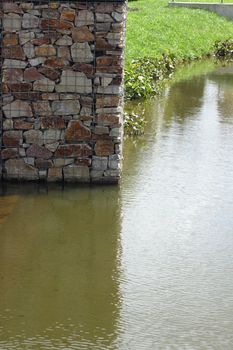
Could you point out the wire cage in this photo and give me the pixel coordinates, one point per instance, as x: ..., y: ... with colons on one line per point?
x: 62, y: 90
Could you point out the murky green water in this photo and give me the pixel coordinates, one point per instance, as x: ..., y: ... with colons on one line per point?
x: 147, y: 265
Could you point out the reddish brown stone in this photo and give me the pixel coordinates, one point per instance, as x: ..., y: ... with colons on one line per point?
x: 82, y: 34
x: 12, y: 75
x: 13, y: 52
x: 105, y: 8
x: 9, y: 153
x: 55, y: 63
x: 45, y: 51
x: 76, y: 131
x: 107, y: 101
x: 102, y: 44
x: 20, y: 87
x: 79, y: 150
x: 32, y: 74
x: 68, y: 14
x: 108, y: 119
x: 12, y: 138
x: 10, y: 39
x: 41, y: 41
x: 5, y: 88
x: 55, y: 24
x: 86, y: 101
x: 104, y: 61
x: 85, y: 68
x: 23, y: 125
x: 104, y: 148
x: 38, y: 152
x: 109, y: 69
x: 43, y: 163
x: 55, y: 174
x: 31, y: 96
x: 50, y: 73
x: 83, y: 161
x: 52, y: 123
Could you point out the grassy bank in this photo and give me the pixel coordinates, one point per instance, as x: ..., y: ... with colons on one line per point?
x: 159, y: 37
x: 154, y: 29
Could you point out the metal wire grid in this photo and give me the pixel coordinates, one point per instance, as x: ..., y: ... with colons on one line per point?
x: 69, y: 83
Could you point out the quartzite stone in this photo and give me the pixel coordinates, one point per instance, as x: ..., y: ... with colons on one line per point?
x: 52, y: 135
x: 12, y: 138
x: 55, y: 175
x: 82, y: 34
x: 84, y: 18
x: 38, y: 152
x: 76, y: 173
x: 50, y: 13
x: 13, y: 52
x: 12, y: 75
x: 30, y: 21
x: 44, y: 85
x: 104, y: 148
x: 77, y: 150
x: 33, y: 136
x: 68, y: 14
x: 76, y: 131
x: 12, y: 22
x: 45, y: 51
x: 81, y: 52
x: 11, y: 7
x: 66, y: 107
x: 25, y: 36
x: 29, y: 50
x: 65, y: 40
x: 53, y: 123
x: 17, y: 109
x: 74, y: 82
x: 9, y: 153
x: 10, y: 39
x: 18, y: 169
x: 42, y: 108
x: 32, y: 74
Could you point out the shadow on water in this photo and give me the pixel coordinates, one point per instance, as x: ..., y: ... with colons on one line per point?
x: 59, y: 252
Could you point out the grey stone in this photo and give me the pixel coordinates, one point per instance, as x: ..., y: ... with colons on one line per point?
x: 8, y: 63
x: 110, y: 90
x: 116, y: 132
x: 76, y: 173
x: 28, y: 49
x: 61, y: 162
x: 64, y: 41
x: 37, y: 61
x: 104, y: 18
x: 112, y: 173
x: 44, y: 85
x: 7, y: 124
x: 33, y: 136
x: 99, y: 163
x: 106, y: 81
x: 17, y: 109
x: 81, y: 52
x: 74, y: 82
x: 95, y: 174
x: 119, y: 17
x: 18, y: 169
x: 25, y: 36
x: 65, y: 107
x: 52, y: 147
x: 84, y: 18
x: 109, y: 110
x: 29, y: 160
x: 101, y: 130
x: 114, y: 162
x: 30, y: 21
x: 12, y: 22
x: 51, y: 136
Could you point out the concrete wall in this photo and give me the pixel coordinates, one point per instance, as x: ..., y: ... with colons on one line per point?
x: 225, y: 10
x: 62, y: 92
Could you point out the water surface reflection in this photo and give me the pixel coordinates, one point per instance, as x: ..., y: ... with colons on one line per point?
x: 143, y: 266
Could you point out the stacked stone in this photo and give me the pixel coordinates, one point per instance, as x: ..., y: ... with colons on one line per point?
x: 62, y: 94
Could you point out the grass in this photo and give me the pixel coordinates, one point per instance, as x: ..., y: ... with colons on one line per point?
x: 154, y: 29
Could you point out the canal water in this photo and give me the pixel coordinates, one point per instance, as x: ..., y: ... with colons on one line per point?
x: 147, y: 265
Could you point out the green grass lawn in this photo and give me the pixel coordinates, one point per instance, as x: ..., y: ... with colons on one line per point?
x: 153, y: 29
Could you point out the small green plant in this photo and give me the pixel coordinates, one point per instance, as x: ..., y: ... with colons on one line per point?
x: 142, y: 76
x: 134, y: 124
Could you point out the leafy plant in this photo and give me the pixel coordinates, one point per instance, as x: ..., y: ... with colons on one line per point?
x: 134, y: 124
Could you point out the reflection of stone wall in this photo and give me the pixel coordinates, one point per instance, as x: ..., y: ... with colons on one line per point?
x: 62, y: 90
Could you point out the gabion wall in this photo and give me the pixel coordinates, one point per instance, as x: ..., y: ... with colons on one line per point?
x: 61, y: 90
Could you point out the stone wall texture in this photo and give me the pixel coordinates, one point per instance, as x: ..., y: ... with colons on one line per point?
x: 61, y: 90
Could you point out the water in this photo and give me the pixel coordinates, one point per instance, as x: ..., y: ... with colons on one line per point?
x: 146, y: 265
